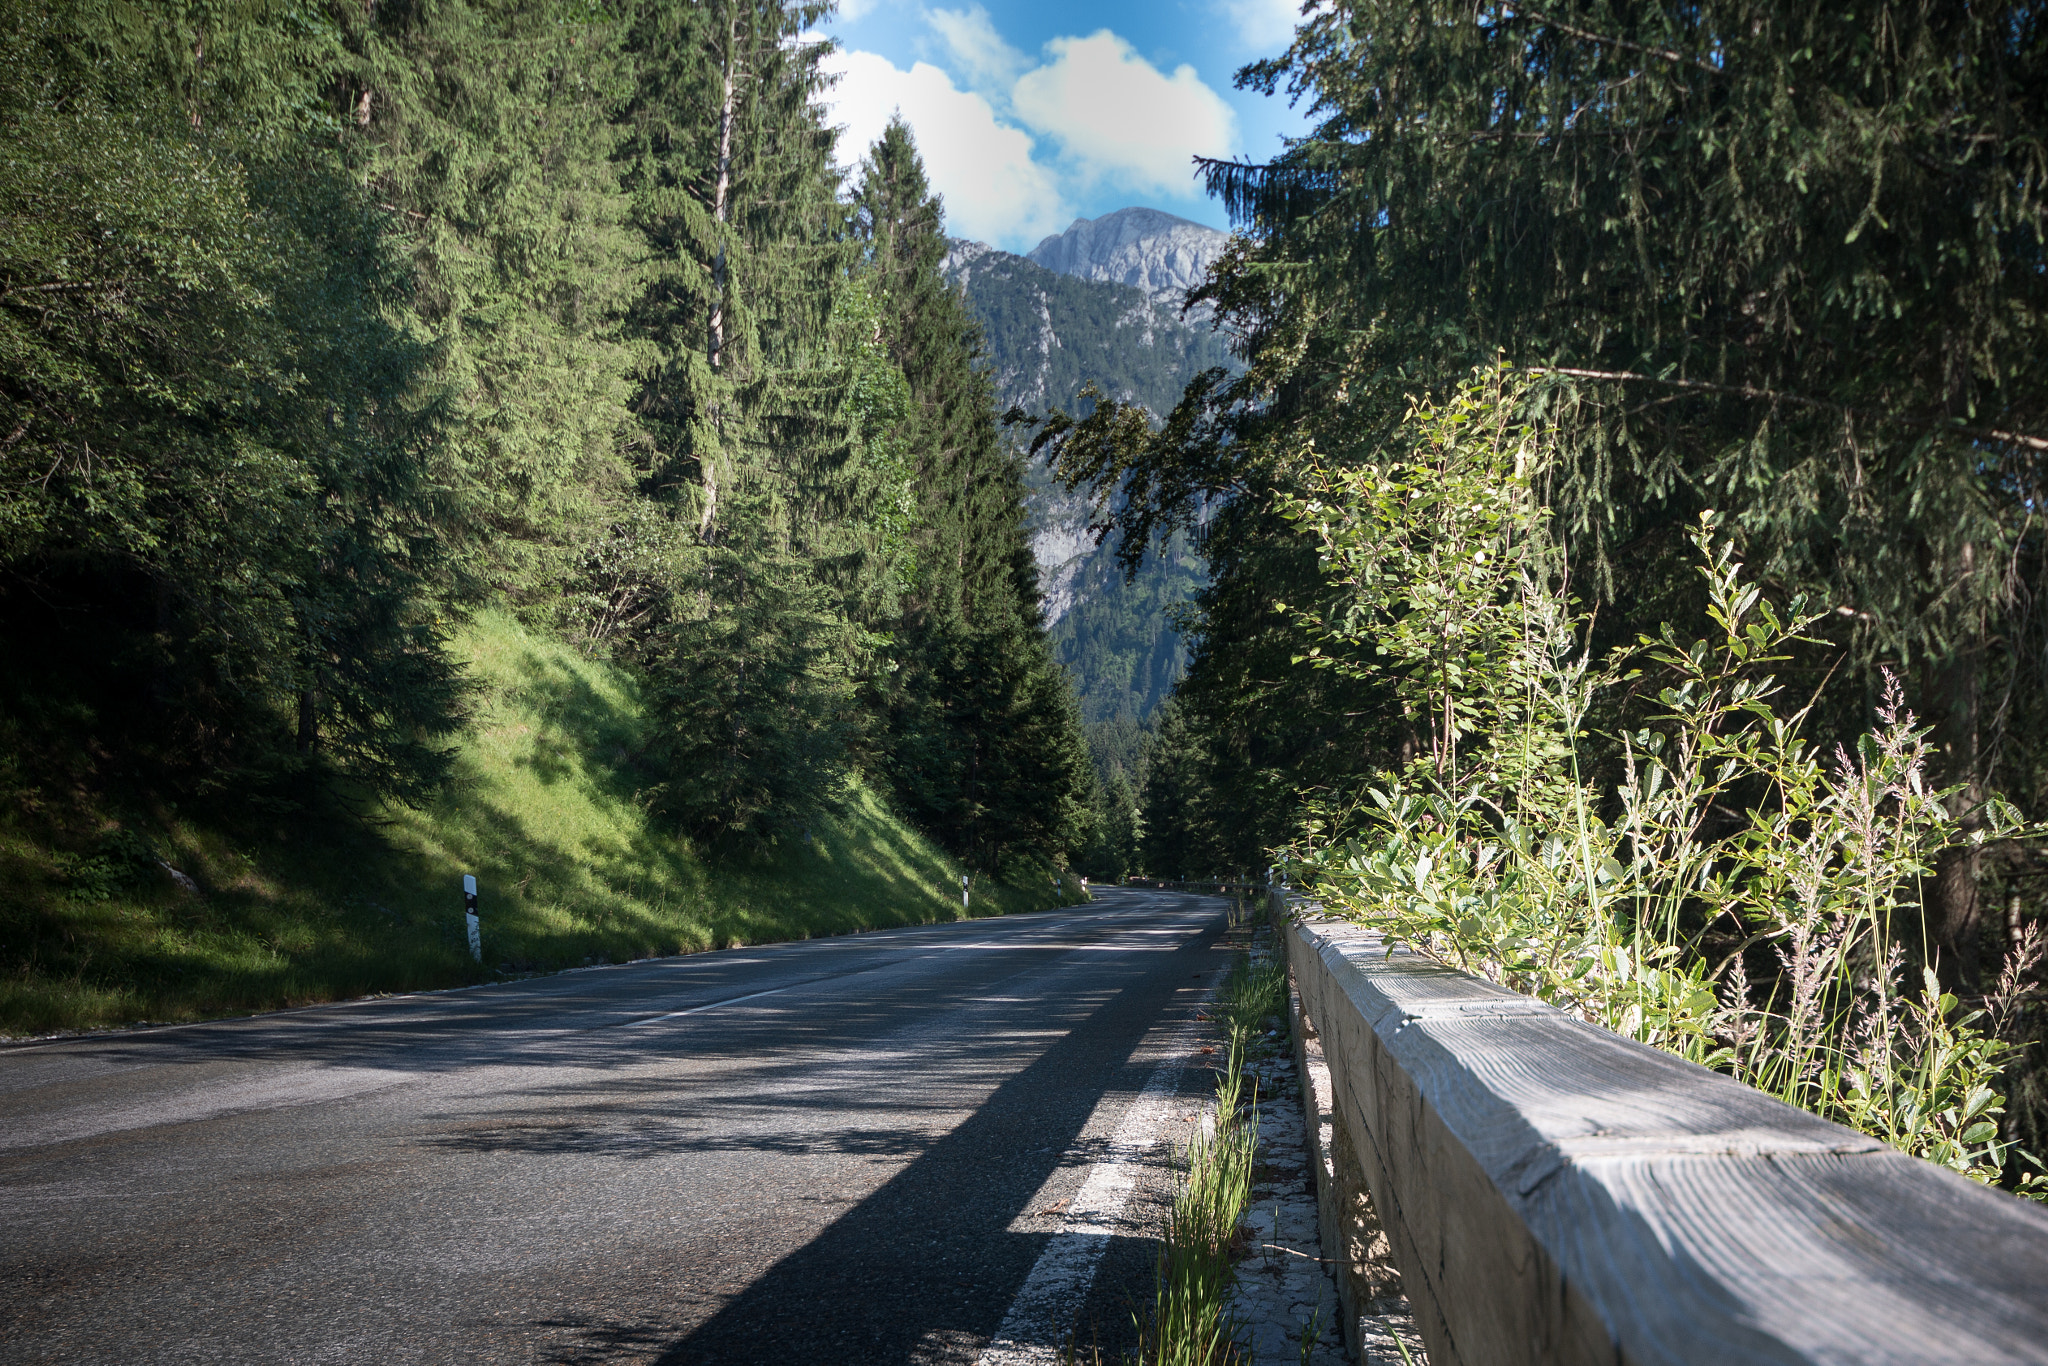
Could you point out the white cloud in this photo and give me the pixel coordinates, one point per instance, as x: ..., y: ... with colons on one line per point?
x: 979, y: 54
x: 850, y: 10
x: 1266, y: 25
x: 1120, y: 118
x: 1104, y: 115
x: 994, y: 191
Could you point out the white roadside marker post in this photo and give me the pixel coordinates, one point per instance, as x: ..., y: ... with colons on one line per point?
x: 963, y: 891
x: 476, y: 942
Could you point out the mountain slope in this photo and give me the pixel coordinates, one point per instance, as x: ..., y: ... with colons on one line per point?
x: 1049, y: 334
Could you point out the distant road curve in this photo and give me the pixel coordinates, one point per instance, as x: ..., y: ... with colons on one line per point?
x: 843, y: 1150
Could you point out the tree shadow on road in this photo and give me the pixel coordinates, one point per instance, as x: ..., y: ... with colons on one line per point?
x: 930, y: 1261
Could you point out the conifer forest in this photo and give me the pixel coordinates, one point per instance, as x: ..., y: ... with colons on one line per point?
x: 1624, y: 541
x: 380, y: 375
x: 1614, y: 533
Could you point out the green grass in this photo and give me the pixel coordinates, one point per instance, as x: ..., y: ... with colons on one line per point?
x: 1254, y: 995
x: 1191, y: 1323
x: 570, y: 869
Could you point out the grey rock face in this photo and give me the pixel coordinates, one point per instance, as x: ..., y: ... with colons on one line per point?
x: 1156, y: 252
x: 961, y: 255
x: 1048, y: 333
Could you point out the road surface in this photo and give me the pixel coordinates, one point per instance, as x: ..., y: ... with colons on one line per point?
x: 843, y: 1150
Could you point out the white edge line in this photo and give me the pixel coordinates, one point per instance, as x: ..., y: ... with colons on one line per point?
x: 1052, y: 1294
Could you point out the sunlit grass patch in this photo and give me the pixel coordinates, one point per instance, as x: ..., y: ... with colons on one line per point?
x: 542, y: 810
x: 1190, y: 1322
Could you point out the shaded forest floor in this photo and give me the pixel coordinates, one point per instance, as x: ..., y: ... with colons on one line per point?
x: 96, y: 930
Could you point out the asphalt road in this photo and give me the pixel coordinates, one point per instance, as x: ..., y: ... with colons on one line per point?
x: 832, y: 1151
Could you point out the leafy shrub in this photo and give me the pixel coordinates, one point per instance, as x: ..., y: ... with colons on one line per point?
x: 1728, y: 845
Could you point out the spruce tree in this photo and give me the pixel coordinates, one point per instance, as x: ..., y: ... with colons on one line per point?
x: 984, y: 745
x: 752, y: 408
x: 486, y: 133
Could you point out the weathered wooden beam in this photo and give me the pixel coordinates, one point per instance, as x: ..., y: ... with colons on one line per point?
x: 1555, y: 1193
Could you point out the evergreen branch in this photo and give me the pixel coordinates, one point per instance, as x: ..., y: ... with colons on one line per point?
x: 2035, y: 443
x: 1248, y: 187
x: 1661, y: 53
x: 1502, y: 135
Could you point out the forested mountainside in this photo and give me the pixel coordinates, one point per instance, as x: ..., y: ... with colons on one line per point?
x: 1049, y: 334
x: 1625, y: 549
x: 328, y: 328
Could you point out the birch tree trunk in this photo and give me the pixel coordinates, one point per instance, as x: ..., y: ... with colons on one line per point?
x: 721, y: 193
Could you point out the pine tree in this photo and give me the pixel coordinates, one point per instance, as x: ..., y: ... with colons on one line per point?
x: 486, y: 133
x: 984, y: 745
x: 1171, y: 847
x: 756, y: 417
x: 728, y: 163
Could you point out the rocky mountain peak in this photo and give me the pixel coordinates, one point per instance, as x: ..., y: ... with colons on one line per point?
x: 1156, y: 252
x: 961, y: 254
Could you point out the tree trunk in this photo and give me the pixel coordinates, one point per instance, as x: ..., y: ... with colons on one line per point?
x: 309, y: 720
x: 160, y: 687
x: 714, y: 344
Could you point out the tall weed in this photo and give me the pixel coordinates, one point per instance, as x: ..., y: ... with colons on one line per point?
x: 1252, y: 995
x: 1737, y: 897
x: 1191, y: 1324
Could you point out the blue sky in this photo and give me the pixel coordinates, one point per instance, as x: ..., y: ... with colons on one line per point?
x: 1030, y: 115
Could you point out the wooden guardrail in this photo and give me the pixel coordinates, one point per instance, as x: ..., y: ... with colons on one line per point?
x: 1555, y: 1193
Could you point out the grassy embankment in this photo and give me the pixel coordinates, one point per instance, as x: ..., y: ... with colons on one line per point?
x: 304, y: 908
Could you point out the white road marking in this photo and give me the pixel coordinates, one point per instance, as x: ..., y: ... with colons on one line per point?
x: 699, y: 1010
x: 1120, y: 945
x: 1047, y: 1304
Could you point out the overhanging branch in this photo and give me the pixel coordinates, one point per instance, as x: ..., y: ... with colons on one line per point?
x: 2032, y: 443
x: 1661, y: 53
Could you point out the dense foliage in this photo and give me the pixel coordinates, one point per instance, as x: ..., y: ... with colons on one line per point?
x: 1778, y: 262
x: 324, y: 325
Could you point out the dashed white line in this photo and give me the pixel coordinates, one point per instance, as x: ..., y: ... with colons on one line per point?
x: 699, y: 1010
